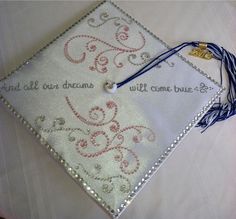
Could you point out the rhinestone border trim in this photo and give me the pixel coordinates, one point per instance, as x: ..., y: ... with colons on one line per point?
x: 156, y: 165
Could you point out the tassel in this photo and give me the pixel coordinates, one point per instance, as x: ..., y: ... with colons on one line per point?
x: 222, y: 111
x: 219, y: 111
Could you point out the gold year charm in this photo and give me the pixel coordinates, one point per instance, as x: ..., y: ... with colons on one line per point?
x: 201, y: 51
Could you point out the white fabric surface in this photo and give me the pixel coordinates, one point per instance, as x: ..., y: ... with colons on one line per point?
x: 197, y: 182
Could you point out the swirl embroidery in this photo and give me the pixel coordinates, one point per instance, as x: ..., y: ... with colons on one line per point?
x: 58, y: 125
x: 107, y: 182
x: 104, y: 17
x: 101, y: 143
x: 106, y: 52
x: 146, y: 57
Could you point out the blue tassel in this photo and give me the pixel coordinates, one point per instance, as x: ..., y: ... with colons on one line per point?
x: 222, y: 111
x: 219, y: 111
